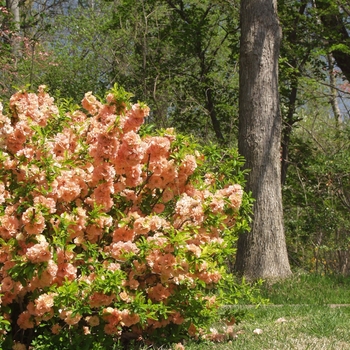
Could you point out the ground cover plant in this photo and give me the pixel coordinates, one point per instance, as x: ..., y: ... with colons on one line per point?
x: 110, y: 235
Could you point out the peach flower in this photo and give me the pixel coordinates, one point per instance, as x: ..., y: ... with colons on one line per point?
x: 66, y: 271
x: 93, y: 321
x: 158, y: 292
x: 123, y: 234
x: 39, y: 253
x: 19, y: 346
x: 44, y: 303
x: 100, y: 299
x: 128, y: 319
x: 56, y: 328
x: 7, y: 284
x: 119, y: 249
x: 69, y: 317
x: 90, y: 103
x: 34, y: 221
x: 24, y: 320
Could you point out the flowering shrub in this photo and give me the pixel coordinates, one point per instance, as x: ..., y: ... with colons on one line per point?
x: 106, y: 235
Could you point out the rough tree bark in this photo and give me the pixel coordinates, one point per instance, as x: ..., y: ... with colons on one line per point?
x: 261, y: 252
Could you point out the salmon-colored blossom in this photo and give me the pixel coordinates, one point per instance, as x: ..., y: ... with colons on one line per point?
x: 93, y: 208
x: 176, y: 317
x: 7, y: 284
x: 119, y: 249
x: 123, y: 234
x: 189, y: 210
x: 66, y: 271
x: 56, y: 328
x: 69, y: 317
x: 192, y: 330
x: 128, y: 319
x: 19, y: 346
x: 93, y: 321
x: 90, y: 103
x: 39, y: 253
x: 158, y: 292
x: 33, y: 221
x: 25, y: 320
x: 43, y: 304
x: 98, y: 299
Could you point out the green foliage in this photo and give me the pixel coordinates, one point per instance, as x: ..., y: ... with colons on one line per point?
x: 225, y: 162
x: 78, y: 264
x: 4, y: 327
x: 316, y: 198
x: 70, y: 340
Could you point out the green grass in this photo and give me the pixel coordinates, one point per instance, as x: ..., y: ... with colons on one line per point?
x: 312, y: 318
x: 309, y: 289
x: 304, y: 327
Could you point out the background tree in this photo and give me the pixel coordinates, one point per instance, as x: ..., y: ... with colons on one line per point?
x: 317, y: 193
x: 180, y: 56
x: 312, y: 32
x: 205, y: 35
x: 24, y: 57
x: 335, y: 19
x: 261, y: 252
x: 314, y: 112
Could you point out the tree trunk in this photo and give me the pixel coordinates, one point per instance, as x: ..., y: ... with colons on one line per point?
x: 288, y: 128
x: 334, y: 95
x: 13, y: 7
x: 210, y: 107
x: 293, y: 39
x: 261, y: 252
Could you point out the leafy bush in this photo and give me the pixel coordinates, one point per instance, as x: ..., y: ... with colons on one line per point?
x: 108, y: 237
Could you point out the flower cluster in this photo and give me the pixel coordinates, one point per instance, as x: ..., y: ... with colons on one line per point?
x: 101, y: 228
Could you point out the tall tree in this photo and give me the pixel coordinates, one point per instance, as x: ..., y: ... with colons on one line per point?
x: 261, y: 252
x: 335, y: 18
x: 23, y: 27
x: 178, y: 61
x: 295, y: 54
x: 208, y: 28
x: 13, y: 7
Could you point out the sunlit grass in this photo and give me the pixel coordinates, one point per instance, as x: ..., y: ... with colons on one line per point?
x: 306, y: 312
x: 309, y: 289
x: 290, y: 327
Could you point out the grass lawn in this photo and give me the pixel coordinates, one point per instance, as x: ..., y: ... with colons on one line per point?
x: 305, y: 312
